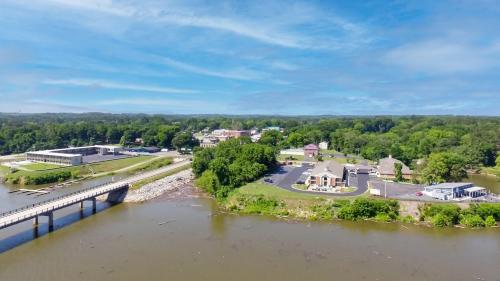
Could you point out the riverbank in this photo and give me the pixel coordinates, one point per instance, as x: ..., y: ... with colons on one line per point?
x: 263, y: 199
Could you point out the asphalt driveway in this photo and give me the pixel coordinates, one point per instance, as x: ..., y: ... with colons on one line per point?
x: 286, y: 176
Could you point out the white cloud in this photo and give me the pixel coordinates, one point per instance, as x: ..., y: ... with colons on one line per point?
x: 239, y: 73
x: 445, y: 57
x: 119, y: 86
x: 280, y: 32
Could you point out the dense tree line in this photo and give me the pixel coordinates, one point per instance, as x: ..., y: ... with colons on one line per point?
x: 475, y: 139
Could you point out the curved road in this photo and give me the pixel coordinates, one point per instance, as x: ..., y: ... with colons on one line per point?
x: 360, y: 181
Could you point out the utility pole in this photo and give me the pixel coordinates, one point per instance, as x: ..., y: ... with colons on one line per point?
x: 385, y: 189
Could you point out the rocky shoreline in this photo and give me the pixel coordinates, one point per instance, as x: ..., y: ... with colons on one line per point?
x: 172, y: 183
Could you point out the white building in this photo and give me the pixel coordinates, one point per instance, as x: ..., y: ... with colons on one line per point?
x: 453, y: 190
x: 323, y: 145
x: 71, y: 156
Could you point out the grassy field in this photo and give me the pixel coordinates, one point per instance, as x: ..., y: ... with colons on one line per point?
x: 41, y: 166
x: 283, y: 157
x: 117, y: 164
x: 259, y: 188
x: 101, y: 168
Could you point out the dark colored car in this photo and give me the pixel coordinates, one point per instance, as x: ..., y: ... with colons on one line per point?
x: 419, y: 193
x: 268, y: 180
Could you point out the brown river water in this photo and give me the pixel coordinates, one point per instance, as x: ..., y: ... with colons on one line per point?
x: 189, y: 239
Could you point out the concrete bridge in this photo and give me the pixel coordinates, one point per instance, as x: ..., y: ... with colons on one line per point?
x: 116, y: 193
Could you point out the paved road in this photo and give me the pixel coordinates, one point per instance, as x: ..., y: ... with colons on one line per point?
x: 292, y: 175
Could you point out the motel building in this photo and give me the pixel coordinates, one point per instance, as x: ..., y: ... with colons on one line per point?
x: 454, y: 191
x: 71, y: 156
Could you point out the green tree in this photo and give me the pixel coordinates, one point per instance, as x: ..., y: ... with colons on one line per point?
x: 444, y: 167
x: 272, y: 138
x: 183, y: 140
x: 398, y: 171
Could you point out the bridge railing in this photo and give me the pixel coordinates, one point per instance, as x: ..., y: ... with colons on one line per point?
x: 54, y: 207
x: 20, y: 209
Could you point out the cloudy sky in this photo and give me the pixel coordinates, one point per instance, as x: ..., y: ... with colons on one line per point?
x: 250, y: 57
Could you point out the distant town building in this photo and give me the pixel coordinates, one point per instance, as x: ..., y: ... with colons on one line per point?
x: 256, y: 137
x: 328, y: 174
x: 453, y: 190
x: 386, y: 168
x: 272, y: 128
x: 323, y: 145
x: 311, y: 150
x: 209, y: 142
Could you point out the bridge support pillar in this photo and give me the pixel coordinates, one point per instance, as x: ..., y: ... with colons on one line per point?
x: 50, y: 215
x: 94, y: 205
x: 35, y: 221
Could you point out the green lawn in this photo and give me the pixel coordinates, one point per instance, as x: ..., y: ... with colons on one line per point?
x: 118, y: 164
x: 283, y: 157
x: 89, y: 169
x: 41, y: 166
x: 257, y: 188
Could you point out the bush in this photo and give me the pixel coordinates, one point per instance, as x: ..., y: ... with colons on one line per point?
x: 323, y: 212
x: 407, y: 219
x: 48, y: 177
x: 382, y: 217
x: 441, y: 220
x: 451, y: 212
x: 485, y: 210
x: 259, y: 204
x: 490, y: 221
x: 472, y: 220
x: 363, y: 208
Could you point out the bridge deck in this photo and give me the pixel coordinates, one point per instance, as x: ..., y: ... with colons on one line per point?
x: 32, y: 211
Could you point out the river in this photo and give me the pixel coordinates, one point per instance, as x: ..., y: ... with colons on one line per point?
x: 189, y: 239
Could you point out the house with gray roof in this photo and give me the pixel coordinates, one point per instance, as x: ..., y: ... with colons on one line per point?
x: 327, y: 174
x: 386, y: 170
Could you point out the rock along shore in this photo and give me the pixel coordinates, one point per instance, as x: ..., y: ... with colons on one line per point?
x: 161, y: 186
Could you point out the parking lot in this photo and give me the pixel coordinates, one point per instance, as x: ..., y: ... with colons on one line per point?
x: 399, y: 190
x: 286, y: 176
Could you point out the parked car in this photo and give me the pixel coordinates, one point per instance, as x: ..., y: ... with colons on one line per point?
x: 268, y: 180
x: 419, y: 193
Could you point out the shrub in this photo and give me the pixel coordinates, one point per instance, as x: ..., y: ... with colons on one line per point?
x: 407, y: 219
x: 324, y: 211
x: 485, y: 210
x: 363, y: 208
x: 472, y: 220
x: 451, y: 212
x: 441, y: 220
x: 259, y: 204
x: 382, y: 217
x: 490, y: 221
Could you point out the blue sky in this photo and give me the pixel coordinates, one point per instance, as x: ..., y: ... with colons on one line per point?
x: 250, y: 57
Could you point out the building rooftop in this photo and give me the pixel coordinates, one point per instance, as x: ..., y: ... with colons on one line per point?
x: 311, y: 146
x: 331, y: 167
x: 450, y: 185
x: 386, y: 166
